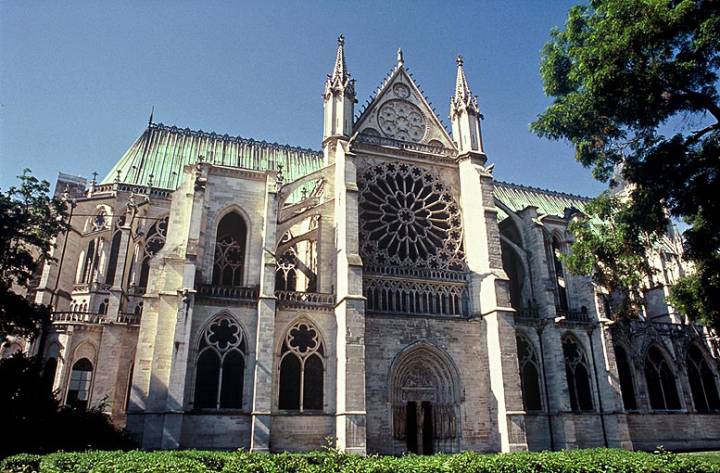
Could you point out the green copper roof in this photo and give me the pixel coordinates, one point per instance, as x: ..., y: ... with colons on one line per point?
x: 162, y: 151
x: 518, y: 197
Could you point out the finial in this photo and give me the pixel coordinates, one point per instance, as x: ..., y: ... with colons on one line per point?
x: 94, y: 179
x: 152, y: 112
x: 340, y: 80
x: 459, y: 60
x: 304, y: 193
x: 400, y: 58
x: 150, y: 180
x: 117, y: 176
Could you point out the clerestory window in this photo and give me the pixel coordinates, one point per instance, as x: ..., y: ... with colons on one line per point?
x: 229, y: 260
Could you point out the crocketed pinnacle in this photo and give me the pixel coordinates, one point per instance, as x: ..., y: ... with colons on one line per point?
x: 463, y: 98
x: 340, y: 80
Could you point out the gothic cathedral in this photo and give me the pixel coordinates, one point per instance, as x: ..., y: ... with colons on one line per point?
x: 385, y: 294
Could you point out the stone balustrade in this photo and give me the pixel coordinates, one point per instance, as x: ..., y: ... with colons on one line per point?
x: 305, y: 299
x: 69, y: 317
x: 247, y: 294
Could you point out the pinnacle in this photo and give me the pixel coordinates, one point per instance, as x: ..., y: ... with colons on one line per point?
x: 340, y: 77
x: 463, y: 98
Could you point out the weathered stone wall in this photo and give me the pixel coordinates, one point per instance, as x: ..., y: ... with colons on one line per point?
x: 463, y: 341
x: 675, y: 431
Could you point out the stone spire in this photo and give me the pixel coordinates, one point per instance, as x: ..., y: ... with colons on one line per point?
x: 463, y: 98
x: 465, y: 114
x: 339, y: 97
x: 340, y: 80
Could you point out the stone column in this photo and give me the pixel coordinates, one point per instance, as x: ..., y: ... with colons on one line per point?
x: 350, y: 426
x: 265, y: 339
x: 490, y: 299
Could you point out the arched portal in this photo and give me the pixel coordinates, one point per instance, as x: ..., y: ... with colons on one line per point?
x: 425, y: 399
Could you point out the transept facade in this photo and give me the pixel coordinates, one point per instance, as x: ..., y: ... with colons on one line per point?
x: 386, y: 293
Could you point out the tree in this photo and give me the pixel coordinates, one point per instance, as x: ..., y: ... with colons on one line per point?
x: 29, y: 221
x: 634, y: 88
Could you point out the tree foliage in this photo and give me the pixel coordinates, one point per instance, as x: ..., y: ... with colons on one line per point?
x: 608, y: 247
x: 29, y: 221
x: 37, y: 423
x: 634, y: 87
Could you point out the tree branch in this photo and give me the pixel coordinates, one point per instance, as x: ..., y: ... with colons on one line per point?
x: 692, y: 139
x: 701, y: 100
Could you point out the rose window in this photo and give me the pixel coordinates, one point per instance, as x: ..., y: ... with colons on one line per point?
x: 409, y: 219
x: 402, y: 120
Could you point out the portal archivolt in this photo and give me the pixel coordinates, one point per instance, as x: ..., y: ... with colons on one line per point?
x: 425, y: 397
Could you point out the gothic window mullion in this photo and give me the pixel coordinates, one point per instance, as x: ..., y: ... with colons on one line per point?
x: 302, y: 383
x: 219, y: 382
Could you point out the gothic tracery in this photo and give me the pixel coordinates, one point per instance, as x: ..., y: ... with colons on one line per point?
x: 409, y: 219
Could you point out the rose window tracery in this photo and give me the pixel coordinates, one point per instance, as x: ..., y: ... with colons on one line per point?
x: 409, y: 219
x: 402, y: 120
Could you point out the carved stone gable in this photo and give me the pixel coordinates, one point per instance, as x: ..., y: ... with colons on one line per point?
x: 400, y: 112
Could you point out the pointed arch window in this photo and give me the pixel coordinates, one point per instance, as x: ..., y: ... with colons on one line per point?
x: 154, y: 241
x: 627, y: 387
x: 220, y: 371
x: 560, y: 283
x: 229, y: 260
x: 286, y: 272
x: 529, y: 375
x: 702, y: 382
x: 112, y: 262
x: 578, y: 375
x: 90, y: 262
x: 81, y: 375
x: 660, y: 379
x: 302, y: 369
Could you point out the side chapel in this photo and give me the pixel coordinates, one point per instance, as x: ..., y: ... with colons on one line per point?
x: 385, y: 292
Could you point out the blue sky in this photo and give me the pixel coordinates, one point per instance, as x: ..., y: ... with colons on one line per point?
x: 78, y: 79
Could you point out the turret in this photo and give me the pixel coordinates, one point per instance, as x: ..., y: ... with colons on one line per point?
x: 339, y: 97
x: 465, y: 115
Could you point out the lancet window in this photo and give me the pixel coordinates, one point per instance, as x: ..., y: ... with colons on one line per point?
x: 220, y: 371
x: 90, y: 261
x: 154, y: 241
x: 286, y: 271
x: 112, y: 262
x: 627, y: 387
x: 560, y: 282
x: 529, y: 375
x: 577, y: 372
x: 660, y: 379
x: 229, y: 260
x: 702, y: 381
x: 302, y: 369
x: 81, y: 375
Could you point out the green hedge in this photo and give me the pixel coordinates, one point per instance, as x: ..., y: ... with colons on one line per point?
x: 575, y: 461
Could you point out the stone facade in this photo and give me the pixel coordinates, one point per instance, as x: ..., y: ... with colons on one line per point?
x: 385, y: 294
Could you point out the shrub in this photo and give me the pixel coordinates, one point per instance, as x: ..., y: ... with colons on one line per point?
x: 570, y: 461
